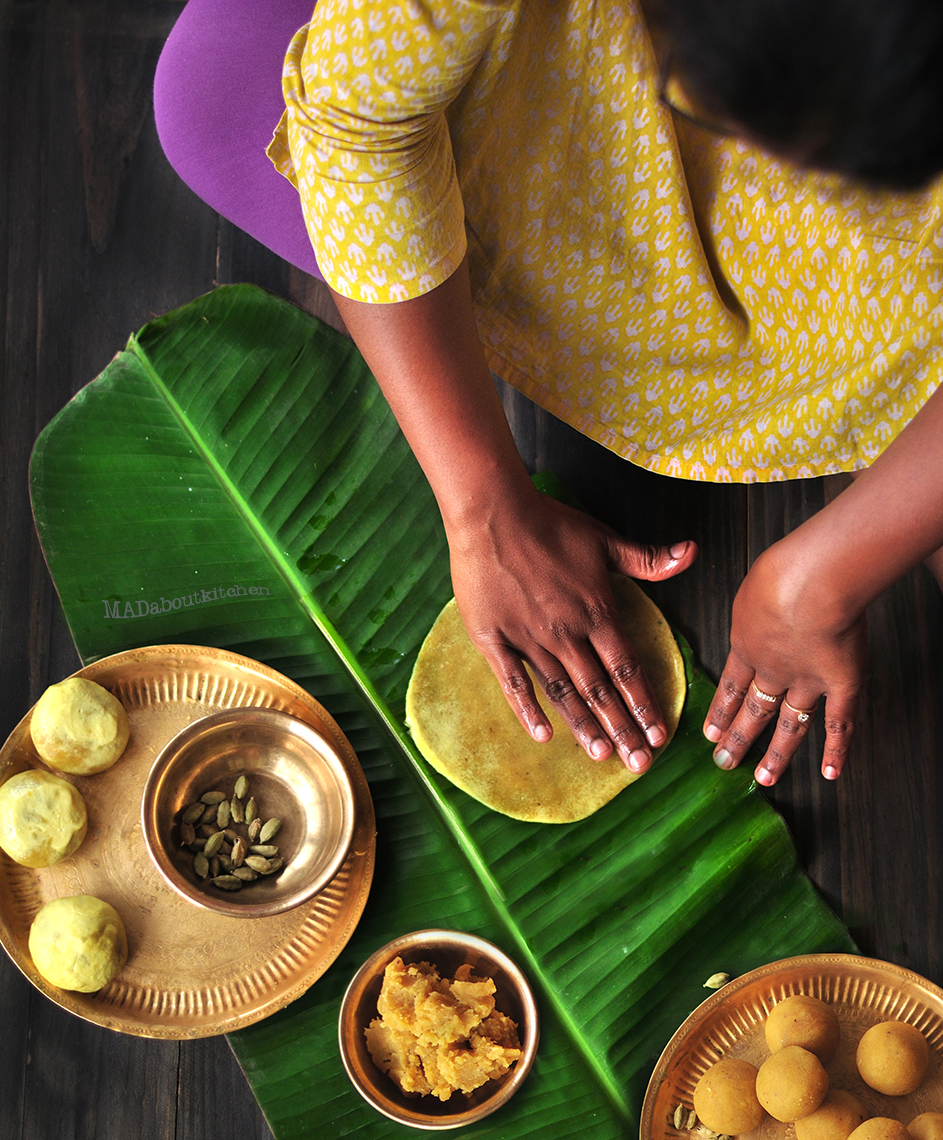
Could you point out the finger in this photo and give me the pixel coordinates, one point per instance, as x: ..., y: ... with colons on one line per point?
x: 600, y: 684
x: 633, y: 688
x: 728, y: 697
x: 795, y: 719
x: 840, y: 712
x: 588, y: 703
x: 518, y: 691
x: 620, y: 698
x: 759, y: 705
x: 650, y: 563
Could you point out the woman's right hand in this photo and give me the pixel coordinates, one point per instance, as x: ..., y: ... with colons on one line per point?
x: 530, y: 575
x: 531, y: 580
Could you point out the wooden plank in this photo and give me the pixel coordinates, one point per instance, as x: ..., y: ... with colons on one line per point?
x: 241, y: 258
x: 214, y: 1097
x: 871, y: 841
x: 889, y: 808
x: 29, y: 644
x: 98, y: 235
x: 84, y: 1081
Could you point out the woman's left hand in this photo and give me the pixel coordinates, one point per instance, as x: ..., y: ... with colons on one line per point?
x: 798, y: 628
x: 792, y: 642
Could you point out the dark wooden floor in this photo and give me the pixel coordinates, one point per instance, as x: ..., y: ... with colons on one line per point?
x: 97, y: 236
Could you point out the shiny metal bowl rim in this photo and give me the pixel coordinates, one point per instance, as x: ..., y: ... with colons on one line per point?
x: 425, y: 941
x: 225, y: 904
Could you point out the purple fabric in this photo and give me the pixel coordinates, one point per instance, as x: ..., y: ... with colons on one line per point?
x: 217, y: 100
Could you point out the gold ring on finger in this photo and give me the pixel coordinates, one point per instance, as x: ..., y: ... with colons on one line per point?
x: 763, y: 696
x: 802, y: 715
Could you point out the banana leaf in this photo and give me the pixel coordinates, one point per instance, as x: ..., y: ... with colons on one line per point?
x: 234, y: 478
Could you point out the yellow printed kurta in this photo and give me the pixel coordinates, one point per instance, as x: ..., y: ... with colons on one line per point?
x: 686, y: 300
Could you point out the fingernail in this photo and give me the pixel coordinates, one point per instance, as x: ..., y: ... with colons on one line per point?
x: 764, y: 777
x: 638, y: 760
x: 599, y: 749
x: 723, y: 759
x: 831, y: 773
x: 678, y: 550
x: 713, y: 733
x: 655, y: 736
x: 542, y: 734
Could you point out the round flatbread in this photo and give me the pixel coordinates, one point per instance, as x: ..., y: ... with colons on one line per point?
x: 464, y: 727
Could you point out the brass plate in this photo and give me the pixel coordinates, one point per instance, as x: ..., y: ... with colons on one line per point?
x: 863, y: 993
x: 190, y: 973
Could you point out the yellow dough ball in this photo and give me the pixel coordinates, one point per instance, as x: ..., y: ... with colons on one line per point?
x: 79, y: 727
x: 892, y: 1058
x: 42, y: 818
x: 78, y: 943
x: 880, y: 1128
x: 791, y: 1083
x: 806, y: 1021
x: 927, y: 1126
x: 835, y: 1118
x: 725, y: 1098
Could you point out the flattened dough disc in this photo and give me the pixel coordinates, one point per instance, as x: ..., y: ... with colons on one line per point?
x: 465, y: 728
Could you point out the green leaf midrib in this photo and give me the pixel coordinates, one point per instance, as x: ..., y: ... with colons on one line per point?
x: 232, y: 360
x: 288, y: 572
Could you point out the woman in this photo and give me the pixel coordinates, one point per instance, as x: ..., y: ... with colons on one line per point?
x: 591, y: 207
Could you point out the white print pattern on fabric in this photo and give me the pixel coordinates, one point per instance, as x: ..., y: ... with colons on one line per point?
x: 689, y: 302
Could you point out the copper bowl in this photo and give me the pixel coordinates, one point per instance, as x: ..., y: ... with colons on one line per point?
x: 295, y: 775
x: 446, y: 950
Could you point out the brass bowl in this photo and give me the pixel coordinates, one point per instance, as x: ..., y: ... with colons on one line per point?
x: 446, y: 950
x: 295, y: 775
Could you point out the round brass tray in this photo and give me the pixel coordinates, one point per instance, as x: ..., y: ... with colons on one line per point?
x: 190, y: 973
x: 863, y: 993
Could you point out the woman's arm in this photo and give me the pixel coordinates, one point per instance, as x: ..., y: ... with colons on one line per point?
x: 798, y: 628
x: 530, y: 575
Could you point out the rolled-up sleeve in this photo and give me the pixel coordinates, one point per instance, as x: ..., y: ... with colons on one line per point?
x: 365, y: 140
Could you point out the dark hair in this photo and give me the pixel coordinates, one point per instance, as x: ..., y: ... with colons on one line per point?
x: 854, y: 86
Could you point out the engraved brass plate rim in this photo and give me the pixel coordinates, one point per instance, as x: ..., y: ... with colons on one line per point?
x: 863, y: 991
x: 191, y: 972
